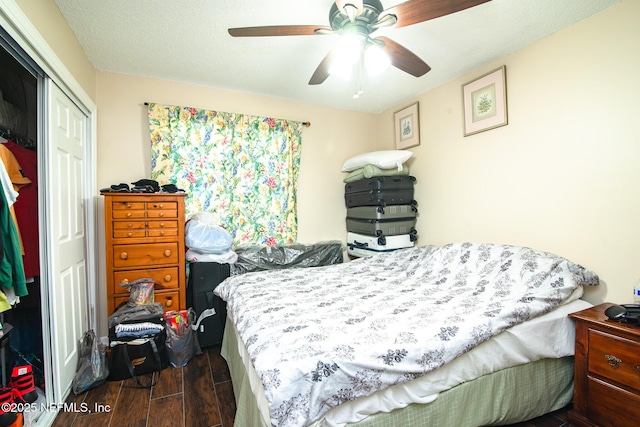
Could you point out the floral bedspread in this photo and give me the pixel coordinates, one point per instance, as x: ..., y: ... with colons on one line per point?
x: 321, y: 336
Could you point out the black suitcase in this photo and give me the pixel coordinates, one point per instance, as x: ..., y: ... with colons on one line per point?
x: 203, y: 279
x: 403, y: 182
x: 380, y: 191
x: 376, y: 227
x: 393, y: 212
x: 380, y: 198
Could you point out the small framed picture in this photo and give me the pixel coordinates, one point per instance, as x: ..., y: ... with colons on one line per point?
x: 484, y: 101
x: 407, y: 124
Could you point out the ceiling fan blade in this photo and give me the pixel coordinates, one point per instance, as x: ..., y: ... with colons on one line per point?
x: 322, y: 72
x: 403, y: 59
x: 415, y: 11
x: 277, y: 30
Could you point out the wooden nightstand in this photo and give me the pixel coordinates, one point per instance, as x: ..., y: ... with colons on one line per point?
x: 607, y: 371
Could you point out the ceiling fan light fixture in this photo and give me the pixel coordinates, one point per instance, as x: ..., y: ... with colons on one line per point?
x: 351, y: 8
x: 347, y: 54
x: 342, y: 70
x: 375, y: 60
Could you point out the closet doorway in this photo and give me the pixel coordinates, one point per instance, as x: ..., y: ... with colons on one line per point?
x: 59, y: 304
x: 19, y: 135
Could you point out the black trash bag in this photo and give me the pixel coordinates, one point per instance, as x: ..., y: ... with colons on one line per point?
x: 93, y: 369
x: 259, y: 258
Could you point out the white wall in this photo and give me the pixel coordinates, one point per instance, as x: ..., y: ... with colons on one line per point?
x: 563, y: 176
x: 124, y: 147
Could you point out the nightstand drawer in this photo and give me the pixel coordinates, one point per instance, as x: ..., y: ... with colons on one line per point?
x: 129, y: 234
x: 614, y: 358
x: 129, y: 229
x: 126, y: 214
x: 162, y: 214
x: 163, y: 233
x: 164, y: 278
x: 118, y: 206
x: 170, y: 300
x: 162, y: 228
x: 172, y: 206
x: 125, y: 256
x: 162, y: 224
x: 610, y: 406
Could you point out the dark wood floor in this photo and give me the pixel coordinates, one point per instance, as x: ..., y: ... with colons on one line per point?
x: 198, y: 395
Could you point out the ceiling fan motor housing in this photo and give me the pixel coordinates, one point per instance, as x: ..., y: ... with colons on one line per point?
x: 339, y: 20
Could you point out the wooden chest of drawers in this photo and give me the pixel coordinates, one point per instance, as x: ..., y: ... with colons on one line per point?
x: 607, y: 371
x: 144, y: 234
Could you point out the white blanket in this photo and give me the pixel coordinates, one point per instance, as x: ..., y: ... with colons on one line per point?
x: 319, y: 337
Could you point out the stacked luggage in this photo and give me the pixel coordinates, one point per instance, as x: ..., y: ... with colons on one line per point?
x: 381, y: 214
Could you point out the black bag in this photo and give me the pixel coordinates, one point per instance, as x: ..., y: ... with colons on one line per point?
x: 133, y: 357
x: 142, y: 348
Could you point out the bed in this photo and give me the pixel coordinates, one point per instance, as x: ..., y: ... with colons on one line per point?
x: 464, y: 334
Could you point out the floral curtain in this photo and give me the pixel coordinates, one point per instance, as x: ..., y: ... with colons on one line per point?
x: 242, y: 168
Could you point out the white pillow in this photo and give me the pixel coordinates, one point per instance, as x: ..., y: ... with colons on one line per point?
x: 386, y: 159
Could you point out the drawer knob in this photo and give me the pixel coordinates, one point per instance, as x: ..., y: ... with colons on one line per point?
x: 128, y: 214
x: 128, y: 205
x: 130, y: 225
x: 168, y: 302
x: 124, y: 255
x: 167, y: 278
x: 161, y: 213
x: 161, y: 224
x: 161, y: 205
x: 167, y: 253
x: 612, y: 360
x: 129, y: 234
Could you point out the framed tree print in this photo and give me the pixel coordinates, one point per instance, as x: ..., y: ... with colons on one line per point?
x: 407, y: 125
x: 484, y: 101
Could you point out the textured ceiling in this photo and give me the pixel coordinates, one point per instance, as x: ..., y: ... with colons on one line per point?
x: 187, y: 41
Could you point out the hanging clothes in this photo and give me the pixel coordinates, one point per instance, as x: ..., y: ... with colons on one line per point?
x: 12, y: 276
x: 13, y: 179
x: 26, y: 208
x: 4, y: 302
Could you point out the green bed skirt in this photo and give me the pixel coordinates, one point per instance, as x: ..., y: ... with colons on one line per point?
x: 508, y: 396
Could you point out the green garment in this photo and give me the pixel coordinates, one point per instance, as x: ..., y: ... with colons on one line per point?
x: 11, y: 266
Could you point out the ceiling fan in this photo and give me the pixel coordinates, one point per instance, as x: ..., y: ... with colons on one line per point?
x: 359, y: 19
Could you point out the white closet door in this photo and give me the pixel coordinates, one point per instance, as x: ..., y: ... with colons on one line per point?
x: 67, y: 205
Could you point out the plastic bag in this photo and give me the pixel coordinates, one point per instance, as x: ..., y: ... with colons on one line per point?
x: 36, y: 409
x: 203, y: 235
x: 259, y: 258
x: 182, y: 341
x: 132, y: 311
x: 141, y: 291
x: 92, y: 364
x: 228, y: 257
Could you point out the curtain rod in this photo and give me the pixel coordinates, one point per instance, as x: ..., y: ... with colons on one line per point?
x: 305, y: 124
